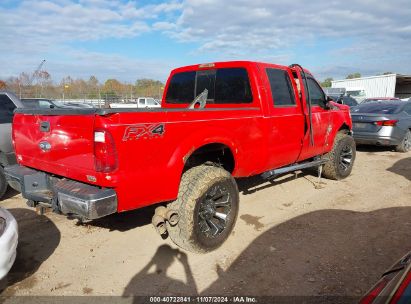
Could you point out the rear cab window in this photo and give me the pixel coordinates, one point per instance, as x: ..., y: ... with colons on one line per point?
x: 225, y: 86
x: 6, y: 109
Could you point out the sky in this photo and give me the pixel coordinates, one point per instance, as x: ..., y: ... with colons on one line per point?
x: 130, y: 40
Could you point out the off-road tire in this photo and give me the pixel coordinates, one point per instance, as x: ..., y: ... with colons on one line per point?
x: 333, y: 169
x: 194, y: 185
x: 405, y: 144
x: 3, y: 182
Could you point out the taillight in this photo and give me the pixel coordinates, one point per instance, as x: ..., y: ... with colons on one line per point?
x: 386, y: 123
x: 105, y: 155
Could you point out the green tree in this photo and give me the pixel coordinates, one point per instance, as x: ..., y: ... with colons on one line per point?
x: 93, y: 87
x: 353, y: 75
x: 149, y: 88
x: 327, y: 82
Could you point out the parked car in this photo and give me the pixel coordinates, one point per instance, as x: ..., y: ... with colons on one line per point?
x: 394, y: 285
x: 378, y: 99
x: 384, y: 123
x: 8, y: 241
x: 218, y: 121
x: 8, y: 102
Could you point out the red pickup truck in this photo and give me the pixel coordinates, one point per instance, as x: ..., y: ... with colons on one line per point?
x: 218, y: 122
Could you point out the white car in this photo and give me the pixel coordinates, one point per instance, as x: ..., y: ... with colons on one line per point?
x: 8, y: 241
x: 142, y: 102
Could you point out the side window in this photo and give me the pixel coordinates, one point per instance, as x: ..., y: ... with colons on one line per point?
x: 141, y: 102
x: 44, y: 104
x: 151, y: 102
x: 316, y: 93
x: 6, y: 109
x: 281, y: 88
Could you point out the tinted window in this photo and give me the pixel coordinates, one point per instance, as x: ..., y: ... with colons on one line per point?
x: 378, y: 108
x: 232, y: 86
x: 349, y: 101
x: 224, y: 86
x: 45, y: 104
x: 6, y: 109
x: 181, y: 88
x: 281, y: 88
x: 141, y: 101
x: 30, y: 103
x: 316, y: 93
x: 205, y: 80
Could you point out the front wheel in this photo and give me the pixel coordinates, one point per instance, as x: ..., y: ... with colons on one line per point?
x: 341, y: 157
x: 207, y: 205
x: 405, y: 144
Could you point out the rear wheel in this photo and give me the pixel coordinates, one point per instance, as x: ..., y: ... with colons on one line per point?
x: 3, y: 182
x: 341, y: 157
x: 405, y: 144
x: 207, y: 205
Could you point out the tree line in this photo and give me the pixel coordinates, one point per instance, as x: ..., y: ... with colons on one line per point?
x: 41, y: 85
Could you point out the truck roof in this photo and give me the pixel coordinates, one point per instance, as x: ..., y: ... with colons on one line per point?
x: 227, y: 64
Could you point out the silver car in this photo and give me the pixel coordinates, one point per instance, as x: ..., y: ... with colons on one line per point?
x: 8, y: 241
x: 383, y: 123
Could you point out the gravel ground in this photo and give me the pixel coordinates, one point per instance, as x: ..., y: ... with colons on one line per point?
x: 291, y: 238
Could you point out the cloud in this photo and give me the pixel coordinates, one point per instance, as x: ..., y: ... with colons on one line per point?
x: 327, y: 36
x: 260, y: 27
x: 32, y: 29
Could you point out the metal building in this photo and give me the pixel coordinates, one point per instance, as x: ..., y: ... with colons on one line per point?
x: 392, y: 85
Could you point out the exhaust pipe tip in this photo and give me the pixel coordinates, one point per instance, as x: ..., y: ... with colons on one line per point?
x: 172, y: 217
x: 159, y: 224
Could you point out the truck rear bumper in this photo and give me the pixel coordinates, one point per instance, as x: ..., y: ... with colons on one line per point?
x: 63, y: 195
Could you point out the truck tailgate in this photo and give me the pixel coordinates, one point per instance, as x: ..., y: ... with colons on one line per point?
x: 59, y: 144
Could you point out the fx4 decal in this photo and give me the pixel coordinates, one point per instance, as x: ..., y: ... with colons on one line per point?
x: 144, y: 131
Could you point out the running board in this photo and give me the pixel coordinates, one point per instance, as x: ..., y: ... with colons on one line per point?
x: 295, y: 167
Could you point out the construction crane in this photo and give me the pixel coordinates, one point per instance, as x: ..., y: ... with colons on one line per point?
x: 36, y: 72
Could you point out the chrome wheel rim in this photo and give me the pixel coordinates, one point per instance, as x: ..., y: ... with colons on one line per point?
x: 346, y: 157
x: 214, y: 210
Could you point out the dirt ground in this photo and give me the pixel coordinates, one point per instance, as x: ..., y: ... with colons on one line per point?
x: 290, y: 239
